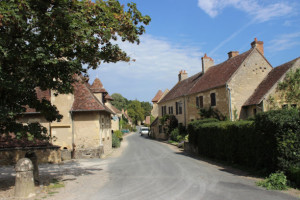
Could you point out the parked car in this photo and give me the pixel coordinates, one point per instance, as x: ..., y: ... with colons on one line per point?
x: 144, y: 130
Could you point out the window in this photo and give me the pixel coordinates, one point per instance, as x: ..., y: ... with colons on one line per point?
x: 163, y: 110
x: 178, y: 108
x: 254, y: 111
x: 171, y: 110
x: 294, y: 105
x: 213, y: 99
x: 284, y: 106
x: 160, y: 128
x: 199, y: 102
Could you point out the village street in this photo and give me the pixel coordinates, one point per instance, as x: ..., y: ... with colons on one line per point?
x: 148, y: 169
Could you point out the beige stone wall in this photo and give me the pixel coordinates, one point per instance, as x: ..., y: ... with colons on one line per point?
x: 180, y: 117
x: 105, y: 128
x: 221, y: 103
x: 64, y: 103
x: 99, y: 96
x: 44, y: 155
x: 253, y: 70
x: 154, y: 111
x: 115, y: 122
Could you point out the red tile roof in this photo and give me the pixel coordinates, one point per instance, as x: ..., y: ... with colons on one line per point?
x: 115, y: 110
x: 84, y: 100
x: 41, y: 94
x: 97, y: 87
x: 273, y: 77
x: 218, y: 75
x: 157, y: 96
x: 108, y: 97
x: 182, y: 87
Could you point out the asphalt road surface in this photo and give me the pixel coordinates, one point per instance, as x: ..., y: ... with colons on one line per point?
x: 148, y: 169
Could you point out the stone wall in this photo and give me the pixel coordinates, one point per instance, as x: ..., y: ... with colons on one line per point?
x: 221, y: 103
x: 253, y: 70
x: 180, y: 117
x: 10, y: 156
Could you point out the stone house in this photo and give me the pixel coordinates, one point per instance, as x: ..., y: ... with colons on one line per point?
x: 159, y: 95
x: 224, y: 87
x: 266, y: 96
x: 85, y: 129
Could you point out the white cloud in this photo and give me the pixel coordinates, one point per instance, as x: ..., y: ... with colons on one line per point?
x: 259, y: 12
x: 284, y: 42
x: 157, y: 64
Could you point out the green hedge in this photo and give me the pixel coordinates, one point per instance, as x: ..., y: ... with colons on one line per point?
x: 271, y: 142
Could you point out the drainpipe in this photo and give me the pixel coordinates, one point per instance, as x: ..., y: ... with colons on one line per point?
x: 229, y: 100
x: 73, y: 137
x: 184, y: 111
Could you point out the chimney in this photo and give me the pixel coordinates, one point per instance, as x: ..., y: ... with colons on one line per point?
x: 182, y: 75
x: 231, y: 54
x: 259, y: 45
x: 207, y: 62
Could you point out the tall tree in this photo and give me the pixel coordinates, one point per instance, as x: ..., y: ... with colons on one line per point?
x: 147, y: 108
x: 119, y: 101
x: 290, y: 87
x: 135, y: 111
x: 44, y: 43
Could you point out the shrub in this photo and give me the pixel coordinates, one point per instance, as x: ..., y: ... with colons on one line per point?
x: 192, y: 129
x: 119, y: 135
x: 115, y: 141
x: 294, y: 175
x: 279, y: 132
x: 174, y: 135
x: 276, y: 181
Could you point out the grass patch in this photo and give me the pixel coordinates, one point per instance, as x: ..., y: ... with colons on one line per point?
x: 56, y: 184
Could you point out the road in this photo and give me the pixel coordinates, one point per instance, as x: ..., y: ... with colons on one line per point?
x: 148, y: 169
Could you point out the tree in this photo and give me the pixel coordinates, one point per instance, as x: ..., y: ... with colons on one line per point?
x: 135, y: 111
x: 290, y: 87
x: 44, y: 43
x: 147, y: 108
x: 119, y: 101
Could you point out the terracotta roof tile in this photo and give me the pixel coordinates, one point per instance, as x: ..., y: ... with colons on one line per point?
x: 218, y: 75
x: 157, y: 96
x: 108, y: 97
x: 182, y: 88
x: 215, y: 76
x: 97, y: 87
x: 84, y: 100
x: 272, y: 78
x: 115, y: 110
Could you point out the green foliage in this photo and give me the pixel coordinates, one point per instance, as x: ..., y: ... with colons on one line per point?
x: 193, y: 127
x: 294, y: 175
x: 271, y: 142
x: 119, y: 134
x: 169, y: 123
x: 119, y: 101
x: 115, y: 141
x: 290, y: 87
x: 147, y: 107
x: 276, y: 181
x: 279, y: 133
x: 211, y: 113
x: 152, y: 118
x: 174, y: 135
x: 44, y: 43
x: 135, y: 111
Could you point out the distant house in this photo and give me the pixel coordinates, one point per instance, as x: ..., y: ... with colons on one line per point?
x: 159, y: 95
x: 86, y: 126
x: 224, y: 87
x: 266, y: 96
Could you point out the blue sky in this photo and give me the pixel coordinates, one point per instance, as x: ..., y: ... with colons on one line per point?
x: 182, y: 31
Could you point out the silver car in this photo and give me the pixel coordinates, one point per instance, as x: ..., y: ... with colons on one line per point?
x: 144, y: 130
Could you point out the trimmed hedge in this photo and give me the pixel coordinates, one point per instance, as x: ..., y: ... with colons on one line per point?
x: 271, y: 142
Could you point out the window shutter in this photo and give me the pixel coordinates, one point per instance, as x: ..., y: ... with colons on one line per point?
x: 176, y: 108
x: 201, y: 101
x: 212, y: 99
x: 197, y: 102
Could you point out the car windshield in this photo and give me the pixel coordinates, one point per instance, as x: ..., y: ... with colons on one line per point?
x: 144, y: 128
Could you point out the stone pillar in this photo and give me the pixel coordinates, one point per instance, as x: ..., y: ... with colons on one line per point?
x: 32, y: 156
x: 24, y: 179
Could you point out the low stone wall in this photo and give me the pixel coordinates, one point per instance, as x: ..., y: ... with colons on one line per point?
x: 89, y: 153
x: 10, y: 156
x: 189, y: 148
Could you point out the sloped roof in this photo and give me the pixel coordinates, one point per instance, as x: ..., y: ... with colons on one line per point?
x: 218, y: 75
x: 157, y: 96
x: 182, y: 87
x: 84, y: 100
x: 115, y: 110
x: 97, y: 87
x: 108, y: 97
x: 41, y: 94
x: 272, y: 78
x: 214, y: 77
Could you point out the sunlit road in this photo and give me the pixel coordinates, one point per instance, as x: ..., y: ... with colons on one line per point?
x: 148, y: 169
